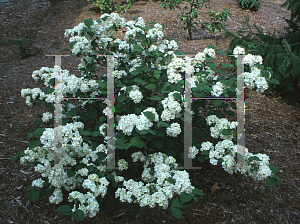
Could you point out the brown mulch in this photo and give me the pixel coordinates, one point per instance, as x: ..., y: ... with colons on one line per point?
x: 271, y: 127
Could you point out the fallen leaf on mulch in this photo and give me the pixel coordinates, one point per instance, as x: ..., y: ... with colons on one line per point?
x: 215, y: 187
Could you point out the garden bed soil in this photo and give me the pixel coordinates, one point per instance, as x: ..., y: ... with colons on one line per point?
x: 271, y: 127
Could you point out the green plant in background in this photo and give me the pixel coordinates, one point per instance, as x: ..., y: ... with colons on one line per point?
x: 108, y: 6
x: 250, y: 4
x: 216, y: 26
x: 190, y: 17
x: 281, y: 54
x: 293, y: 29
x: 22, y: 46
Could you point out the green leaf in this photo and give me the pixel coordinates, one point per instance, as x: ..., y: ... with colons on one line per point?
x: 71, y: 173
x: 213, y: 47
x: 72, y: 44
x: 72, y: 112
x: 151, y: 132
x: 157, y: 71
x: 275, y: 81
x: 83, y: 132
x: 176, y: 213
x: 149, y: 115
x: 277, y: 178
x: 157, y: 76
x: 39, y: 132
x: 21, y: 153
x: 205, y: 153
x: 88, y: 22
x: 48, y: 90
x: 33, y: 195
x: 150, y: 86
x: 155, y: 98
x: 273, y: 168
x: 144, y: 43
x: 64, y: 209
x: 137, y: 142
x: 29, y: 135
x: 92, y: 113
x: 157, y: 143
x: 177, y: 203
x: 271, y: 181
x: 32, y: 144
x: 221, y: 71
x: 252, y: 158
x: 38, y: 122
x: 64, y: 49
x: 177, y: 96
x: 162, y: 124
x: 170, y: 152
x: 226, y: 132
x: 138, y: 80
x: 184, y: 197
x: 143, y: 210
x: 95, y: 133
x: 217, y: 102
x: 29, y: 188
x: 212, y: 66
x: 171, y: 143
x: 13, y: 158
x: 223, y: 64
x: 196, y: 191
x: 38, y: 103
x: 222, y: 53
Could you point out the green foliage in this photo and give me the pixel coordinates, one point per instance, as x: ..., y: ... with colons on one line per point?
x: 250, y: 4
x: 293, y: 28
x: 191, y: 16
x: 280, y: 54
x: 108, y: 6
x: 216, y: 26
x: 22, y: 46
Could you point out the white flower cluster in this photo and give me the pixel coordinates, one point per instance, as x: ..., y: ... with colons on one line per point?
x: 218, y: 89
x: 172, y: 108
x: 161, y: 192
x: 38, y: 183
x: 238, y: 51
x: 220, y: 125
x: 210, y: 52
x: 70, y: 84
x: 156, y: 32
x: 176, y: 66
x: 128, y: 122
x: 253, y: 78
x: 226, y: 150
x: 123, y: 165
x: 117, y: 178
x: 96, y: 185
x: 88, y: 203
x: 174, y: 130
x: 56, y: 197
x: 47, y: 117
x: 87, y: 62
x: 133, y: 30
x: 193, y: 152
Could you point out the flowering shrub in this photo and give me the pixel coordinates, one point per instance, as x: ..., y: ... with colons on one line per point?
x: 144, y: 68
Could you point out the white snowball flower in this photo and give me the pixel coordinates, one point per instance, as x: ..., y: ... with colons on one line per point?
x: 38, y: 183
x: 174, y: 130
